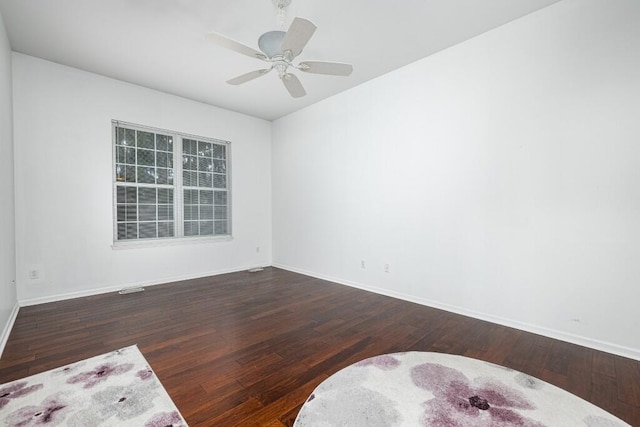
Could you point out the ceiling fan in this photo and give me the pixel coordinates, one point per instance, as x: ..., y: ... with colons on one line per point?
x: 279, y: 49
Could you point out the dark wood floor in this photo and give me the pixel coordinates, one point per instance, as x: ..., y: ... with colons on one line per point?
x: 248, y: 348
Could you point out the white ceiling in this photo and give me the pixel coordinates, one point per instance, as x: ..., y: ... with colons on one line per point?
x: 160, y: 44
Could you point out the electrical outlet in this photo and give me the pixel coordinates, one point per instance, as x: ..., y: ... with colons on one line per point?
x: 386, y: 268
x: 258, y: 249
x: 362, y: 264
x: 35, y: 273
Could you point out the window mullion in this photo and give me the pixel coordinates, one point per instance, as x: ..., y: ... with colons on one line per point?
x: 178, y: 206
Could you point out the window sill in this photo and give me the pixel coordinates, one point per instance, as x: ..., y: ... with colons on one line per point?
x: 135, y: 244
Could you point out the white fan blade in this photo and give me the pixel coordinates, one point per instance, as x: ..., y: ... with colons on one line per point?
x: 298, y: 36
x: 228, y: 43
x: 293, y: 85
x: 249, y: 76
x: 330, y: 68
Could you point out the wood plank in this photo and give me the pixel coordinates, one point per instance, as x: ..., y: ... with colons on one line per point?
x: 628, y: 381
x: 604, y: 364
x: 605, y: 390
x: 579, y: 373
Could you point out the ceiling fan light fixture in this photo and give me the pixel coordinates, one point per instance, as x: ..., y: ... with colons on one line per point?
x: 270, y: 43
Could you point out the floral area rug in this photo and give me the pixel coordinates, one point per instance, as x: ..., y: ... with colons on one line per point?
x: 114, y: 389
x: 435, y: 389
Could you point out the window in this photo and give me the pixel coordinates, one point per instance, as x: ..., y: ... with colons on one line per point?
x: 169, y: 185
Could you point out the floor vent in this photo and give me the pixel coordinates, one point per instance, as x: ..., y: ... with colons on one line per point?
x: 130, y: 290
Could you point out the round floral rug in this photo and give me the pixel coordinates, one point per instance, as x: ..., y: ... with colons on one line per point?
x: 436, y: 389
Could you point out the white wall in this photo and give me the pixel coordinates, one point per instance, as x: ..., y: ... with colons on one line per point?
x: 499, y: 178
x: 62, y: 121
x: 7, y: 231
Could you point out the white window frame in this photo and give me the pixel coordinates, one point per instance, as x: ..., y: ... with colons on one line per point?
x: 178, y: 206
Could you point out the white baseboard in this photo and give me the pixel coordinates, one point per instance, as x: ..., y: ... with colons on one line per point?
x: 115, y: 288
x: 7, y: 328
x: 547, y: 332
